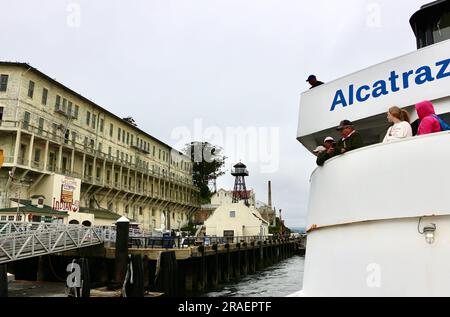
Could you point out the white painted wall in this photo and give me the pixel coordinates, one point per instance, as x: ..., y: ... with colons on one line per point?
x: 244, y: 224
x: 385, y: 258
x: 384, y: 181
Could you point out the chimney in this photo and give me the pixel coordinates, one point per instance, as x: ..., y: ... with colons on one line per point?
x: 270, y: 195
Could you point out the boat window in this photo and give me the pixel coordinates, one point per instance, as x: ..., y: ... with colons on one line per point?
x: 441, y: 30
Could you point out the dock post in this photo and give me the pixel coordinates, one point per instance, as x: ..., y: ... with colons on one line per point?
x: 215, y: 267
x: 259, y: 256
x: 3, y: 281
x: 121, y: 250
x: 86, y: 278
x: 201, y: 270
x: 227, y: 264
x: 237, y: 266
x: 189, y: 277
x: 245, y: 264
x: 135, y: 283
x: 275, y: 251
x: 40, y: 274
x: 252, y: 266
x: 265, y: 253
x: 271, y: 257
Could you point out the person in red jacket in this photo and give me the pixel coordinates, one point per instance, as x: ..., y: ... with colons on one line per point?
x: 428, y: 121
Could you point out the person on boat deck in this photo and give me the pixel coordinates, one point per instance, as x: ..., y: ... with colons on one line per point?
x: 312, y: 80
x: 320, y: 149
x: 401, y: 128
x: 427, y: 116
x: 351, y: 139
x: 329, y: 144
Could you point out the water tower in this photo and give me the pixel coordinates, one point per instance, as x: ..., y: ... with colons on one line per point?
x: 240, y: 190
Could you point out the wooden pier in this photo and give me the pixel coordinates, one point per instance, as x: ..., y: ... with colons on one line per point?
x: 173, y: 271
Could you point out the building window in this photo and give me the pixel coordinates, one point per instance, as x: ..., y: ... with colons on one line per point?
x: 88, y: 118
x: 140, y: 211
x: 109, y: 152
x: 41, y: 126
x: 132, y: 139
x: 3, y: 82
x: 137, y: 142
x: 10, y: 218
x: 111, y: 130
x: 128, y: 137
x: 74, y: 138
x: 1, y: 113
x: 37, y: 155
x: 19, y: 218
x: 102, y: 123
x: 154, y: 149
x: 119, y: 130
x: 64, y: 105
x: 100, y: 147
x: 123, y: 137
x: 58, y: 103
x: 26, y: 119
x: 69, y: 109
x: 94, y: 121
x: 77, y: 109
x: 3, y: 218
x: 31, y: 89
x: 232, y: 214
x: 44, y: 96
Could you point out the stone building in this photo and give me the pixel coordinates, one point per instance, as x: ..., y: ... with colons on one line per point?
x: 82, y: 157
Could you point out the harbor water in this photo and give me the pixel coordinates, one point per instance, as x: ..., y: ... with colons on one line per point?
x: 280, y: 280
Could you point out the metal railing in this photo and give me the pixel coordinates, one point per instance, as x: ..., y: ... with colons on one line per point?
x: 27, y: 240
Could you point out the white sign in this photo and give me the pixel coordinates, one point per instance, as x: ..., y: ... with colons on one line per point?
x: 404, y: 81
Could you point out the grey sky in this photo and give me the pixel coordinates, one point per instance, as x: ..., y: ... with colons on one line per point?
x: 231, y: 63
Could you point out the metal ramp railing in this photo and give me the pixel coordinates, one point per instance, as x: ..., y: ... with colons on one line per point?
x: 27, y: 240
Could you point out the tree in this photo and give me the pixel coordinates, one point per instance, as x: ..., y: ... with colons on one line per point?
x: 208, y: 166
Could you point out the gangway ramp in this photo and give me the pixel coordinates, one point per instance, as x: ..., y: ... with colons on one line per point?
x: 24, y: 240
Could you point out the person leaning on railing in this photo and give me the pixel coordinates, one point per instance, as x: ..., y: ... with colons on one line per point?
x: 351, y: 139
x: 327, y: 151
x: 401, y: 128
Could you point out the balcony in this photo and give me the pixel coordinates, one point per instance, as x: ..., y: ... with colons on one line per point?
x: 85, y: 149
x: 136, y: 147
x: 405, y: 179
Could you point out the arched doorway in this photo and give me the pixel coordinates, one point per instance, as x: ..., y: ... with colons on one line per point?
x: 87, y: 223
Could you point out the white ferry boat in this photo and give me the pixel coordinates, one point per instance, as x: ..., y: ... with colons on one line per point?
x: 379, y: 216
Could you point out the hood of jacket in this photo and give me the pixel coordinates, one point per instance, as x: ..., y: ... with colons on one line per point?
x: 425, y: 109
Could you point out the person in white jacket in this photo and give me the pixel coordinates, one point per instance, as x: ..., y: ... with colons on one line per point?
x: 401, y: 128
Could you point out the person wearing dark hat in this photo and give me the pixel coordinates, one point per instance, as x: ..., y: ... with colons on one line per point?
x: 312, y: 80
x: 351, y: 139
x: 330, y: 151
